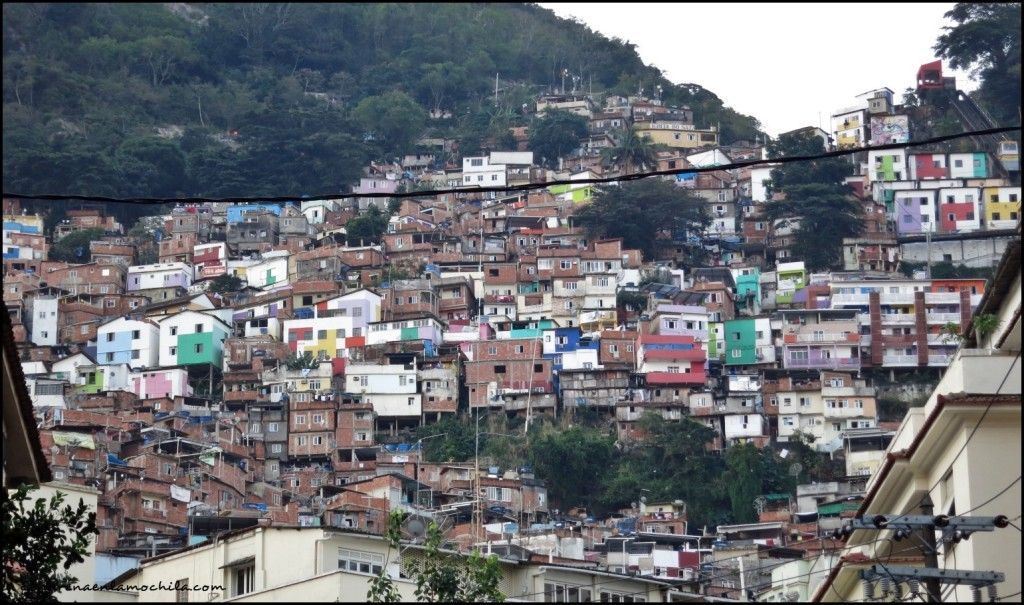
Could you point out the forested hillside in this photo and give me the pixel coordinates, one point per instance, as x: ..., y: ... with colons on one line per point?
x: 265, y: 99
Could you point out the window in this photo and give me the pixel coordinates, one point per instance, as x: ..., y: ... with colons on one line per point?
x: 359, y: 561
x: 135, y: 354
x: 242, y: 579
x: 318, y: 440
x: 172, y: 350
x: 499, y: 369
x: 300, y: 440
x: 174, y: 330
x: 318, y: 418
x: 538, y: 367
x: 272, y: 427
x: 136, y: 334
x: 565, y: 264
x: 199, y: 347
x: 275, y: 448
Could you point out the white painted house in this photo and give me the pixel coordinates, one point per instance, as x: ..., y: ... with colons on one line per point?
x: 271, y: 271
x: 159, y: 275
x: 479, y: 172
x: 390, y: 388
x: 131, y: 341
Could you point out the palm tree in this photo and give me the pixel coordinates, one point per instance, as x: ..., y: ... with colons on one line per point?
x: 631, y: 151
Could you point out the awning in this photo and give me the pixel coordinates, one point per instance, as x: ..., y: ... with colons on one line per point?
x: 239, y: 562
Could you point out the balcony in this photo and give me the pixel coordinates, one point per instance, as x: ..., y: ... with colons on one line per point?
x: 825, y: 363
x: 942, y: 318
x: 942, y: 297
x: 849, y: 299
x: 673, y: 378
x: 499, y: 298
x: 939, y: 361
x: 445, y: 304
x: 511, y: 387
x: 822, y: 337
x: 897, y: 298
x: 900, y: 319
x: 240, y: 396
x: 899, y: 360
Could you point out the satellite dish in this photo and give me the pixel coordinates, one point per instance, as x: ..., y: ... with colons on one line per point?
x: 795, y: 469
x: 415, y: 528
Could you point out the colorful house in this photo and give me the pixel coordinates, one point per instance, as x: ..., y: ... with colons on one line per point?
x: 192, y: 338
x: 887, y: 165
x: 334, y: 325
x: 959, y: 209
x: 154, y: 384
x: 672, y: 360
x: 927, y: 166
x: 1002, y: 207
x: 235, y: 213
x: 748, y: 287
x: 914, y: 210
x: 748, y: 342
x: 131, y: 341
x: 968, y: 165
x: 790, y: 277
x: 271, y: 271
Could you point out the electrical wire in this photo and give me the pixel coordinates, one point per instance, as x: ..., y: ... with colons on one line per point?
x: 524, y: 187
x: 999, y: 493
x: 965, y: 444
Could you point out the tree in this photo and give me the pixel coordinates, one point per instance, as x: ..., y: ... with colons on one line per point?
x: 743, y: 480
x: 572, y: 463
x: 556, y: 134
x: 225, y: 283
x: 306, y: 361
x: 440, y: 577
x: 458, y: 442
x: 368, y: 226
x: 672, y: 461
x: 825, y: 214
x: 41, y: 543
x: 653, y: 208
x: 632, y: 153
x: 986, y: 40
x: 812, y: 172
x: 74, y: 247
x: 910, y: 98
x: 394, y: 119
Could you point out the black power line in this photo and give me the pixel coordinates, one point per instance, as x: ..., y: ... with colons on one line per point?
x: 525, y: 187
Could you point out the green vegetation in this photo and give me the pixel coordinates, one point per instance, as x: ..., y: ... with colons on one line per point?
x: 225, y: 283
x: 816, y: 199
x: 41, y: 542
x: 273, y: 99
x: 631, y: 153
x: 986, y: 40
x: 556, y: 134
x: 368, y: 227
x: 306, y: 361
x: 74, y: 247
x: 439, y: 576
x: 655, y: 207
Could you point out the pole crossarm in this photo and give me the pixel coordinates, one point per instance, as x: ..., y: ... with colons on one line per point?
x: 944, y: 576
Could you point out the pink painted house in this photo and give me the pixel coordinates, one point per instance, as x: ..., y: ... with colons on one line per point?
x: 153, y: 384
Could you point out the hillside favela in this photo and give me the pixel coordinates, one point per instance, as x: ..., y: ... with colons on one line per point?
x: 470, y: 303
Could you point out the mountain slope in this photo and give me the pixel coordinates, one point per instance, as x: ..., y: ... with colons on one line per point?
x: 259, y: 99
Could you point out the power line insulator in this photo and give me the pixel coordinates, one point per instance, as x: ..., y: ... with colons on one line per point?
x: 993, y: 593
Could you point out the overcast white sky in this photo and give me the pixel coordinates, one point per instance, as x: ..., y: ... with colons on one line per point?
x: 781, y: 63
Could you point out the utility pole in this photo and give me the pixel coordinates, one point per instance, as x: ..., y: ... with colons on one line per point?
x: 931, y: 556
x: 928, y: 246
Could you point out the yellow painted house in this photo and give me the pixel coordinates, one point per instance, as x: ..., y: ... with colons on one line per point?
x: 1002, y: 207
x: 676, y: 133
